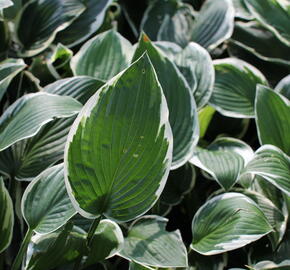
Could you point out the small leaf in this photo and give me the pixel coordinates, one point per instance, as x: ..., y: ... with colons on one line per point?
x: 283, y: 87
x: 205, y: 116
x: 8, y: 70
x: 148, y: 243
x: 79, y: 87
x: 214, y: 23
x: 272, y: 118
x: 6, y: 217
x: 86, y: 24
x: 235, y: 87
x: 40, y: 20
x: 103, y: 56
x: 227, y: 222
x: 273, y: 15
x: 183, y: 116
x: 259, y: 41
x: 107, y: 241
x: 273, y: 165
x: 119, y: 149
x: 24, y: 118
x: 45, y: 204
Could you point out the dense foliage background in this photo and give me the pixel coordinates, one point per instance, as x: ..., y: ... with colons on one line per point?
x: 144, y: 134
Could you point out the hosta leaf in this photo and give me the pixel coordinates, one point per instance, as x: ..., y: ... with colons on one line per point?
x: 196, y: 65
x: 11, y: 12
x: 79, y: 87
x: 272, y: 118
x: 150, y: 244
x: 223, y: 160
x: 86, y: 24
x: 242, y: 10
x: 24, y: 118
x: 273, y: 15
x: 119, y: 149
x: 226, y: 222
x: 273, y: 165
x: 135, y: 266
x: 182, y: 109
x: 107, y: 241
x: 267, y: 265
x: 25, y: 159
x: 55, y: 249
x: 214, y: 23
x: 205, y: 116
x: 8, y: 70
x: 262, y: 43
x: 103, y: 56
x: 235, y: 87
x: 5, y: 4
x: 45, y: 204
x: 170, y: 49
x: 283, y: 87
x: 6, y: 217
x: 40, y: 20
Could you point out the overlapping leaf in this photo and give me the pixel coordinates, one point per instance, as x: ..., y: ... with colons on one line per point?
x: 86, y: 24
x: 27, y: 115
x: 182, y: 109
x: 268, y: 265
x: 213, y: 24
x: 227, y: 222
x: 119, y: 150
x: 103, y: 56
x: 283, y: 87
x: 40, y: 20
x: 148, y: 243
x: 6, y: 217
x: 272, y: 118
x: 8, y: 70
x: 273, y: 165
x: 235, y: 87
x: 45, y: 203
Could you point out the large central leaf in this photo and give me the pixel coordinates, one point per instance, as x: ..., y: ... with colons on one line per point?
x: 118, y: 152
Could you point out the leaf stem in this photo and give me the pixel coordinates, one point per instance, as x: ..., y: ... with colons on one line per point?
x: 20, y: 256
x: 90, y: 235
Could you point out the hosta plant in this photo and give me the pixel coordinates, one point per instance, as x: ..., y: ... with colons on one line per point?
x: 147, y: 134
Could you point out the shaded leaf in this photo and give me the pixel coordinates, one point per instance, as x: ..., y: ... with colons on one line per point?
x: 205, y: 116
x: 283, y: 87
x: 272, y: 118
x: 267, y: 265
x: 235, y: 87
x: 47, y: 215
x: 135, y: 266
x: 110, y: 168
x: 24, y: 118
x: 182, y: 109
x: 103, y: 56
x: 6, y: 217
x: 227, y: 222
x: 150, y: 244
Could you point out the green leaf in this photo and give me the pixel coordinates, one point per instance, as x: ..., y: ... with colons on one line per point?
x: 135, y: 266
x: 235, y: 87
x: 107, y: 241
x: 196, y: 65
x: 40, y: 20
x: 24, y: 118
x: 79, y: 87
x: 227, y: 222
x: 205, y: 116
x: 45, y: 203
x: 182, y: 109
x: 6, y: 217
x: 273, y: 15
x: 272, y: 118
x: 148, y: 243
x: 86, y: 24
x: 241, y: 10
x: 273, y: 165
x: 267, y: 265
x: 103, y: 56
x: 283, y: 87
x: 11, y: 12
x: 223, y: 160
x: 8, y: 70
x: 259, y: 41
x: 27, y: 158
x: 119, y: 149
x: 55, y: 249
x: 214, y: 23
